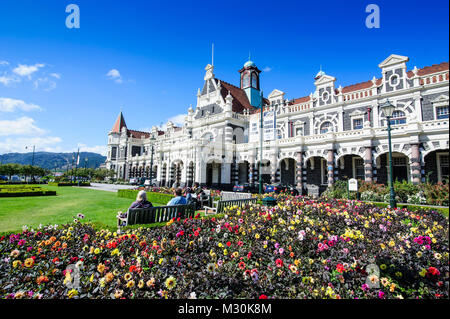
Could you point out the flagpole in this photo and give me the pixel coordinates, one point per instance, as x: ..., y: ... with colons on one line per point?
x: 76, y: 166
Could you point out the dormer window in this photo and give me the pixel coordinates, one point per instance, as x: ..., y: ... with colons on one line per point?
x: 442, y: 112
x: 325, y: 96
x: 398, y: 117
x: 394, y: 80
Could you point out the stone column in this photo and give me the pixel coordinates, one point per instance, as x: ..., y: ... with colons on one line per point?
x: 273, y: 169
x: 330, y: 167
x: 299, y: 171
x: 368, y: 161
x: 415, y: 164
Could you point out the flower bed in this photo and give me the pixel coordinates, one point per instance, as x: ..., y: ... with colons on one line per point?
x: 23, y: 191
x: 298, y: 249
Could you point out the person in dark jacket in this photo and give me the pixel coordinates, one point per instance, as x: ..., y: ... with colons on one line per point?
x: 141, y: 201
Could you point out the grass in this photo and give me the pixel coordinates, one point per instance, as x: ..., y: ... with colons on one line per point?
x: 99, y: 207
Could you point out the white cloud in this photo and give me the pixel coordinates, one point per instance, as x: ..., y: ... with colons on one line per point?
x: 27, y: 70
x: 267, y: 69
x: 114, y: 74
x: 21, y: 126
x: 100, y: 149
x: 6, y: 80
x: 56, y: 75
x: 11, y: 105
x: 178, y: 119
x: 45, y: 83
x: 18, y: 145
x: 4, y: 62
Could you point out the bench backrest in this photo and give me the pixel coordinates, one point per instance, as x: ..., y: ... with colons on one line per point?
x: 236, y: 202
x: 159, y: 214
x: 234, y: 195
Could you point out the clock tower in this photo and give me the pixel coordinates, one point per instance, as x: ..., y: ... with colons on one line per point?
x: 250, y: 83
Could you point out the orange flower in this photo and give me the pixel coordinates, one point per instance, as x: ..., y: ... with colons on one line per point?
x: 41, y: 279
x: 101, y: 268
x: 53, y: 239
x: 29, y: 262
x: 291, y: 254
x: 64, y: 245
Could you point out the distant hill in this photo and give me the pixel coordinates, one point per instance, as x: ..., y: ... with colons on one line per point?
x: 51, y: 160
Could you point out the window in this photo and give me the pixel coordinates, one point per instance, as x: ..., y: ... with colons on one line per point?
x: 394, y: 80
x: 398, y: 117
x: 358, y: 164
x: 325, y: 96
x: 398, y: 161
x: 442, y: 163
x: 113, y: 153
x: 442, y: 112
x: 357, y: 124
x: 254, y: 81
x: 246, y: 80
x: 326, y: 127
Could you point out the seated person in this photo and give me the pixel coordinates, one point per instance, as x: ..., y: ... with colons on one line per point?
x: 190, y: 198
x: 141, y: 201
x: 178, y: 199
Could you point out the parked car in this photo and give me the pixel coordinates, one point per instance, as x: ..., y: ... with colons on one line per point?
x: 245, y: 188
x: 147, y: 183
x: 133, y: 181
x: 3, y: 178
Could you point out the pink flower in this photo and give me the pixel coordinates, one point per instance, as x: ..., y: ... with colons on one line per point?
x: 380, y: 294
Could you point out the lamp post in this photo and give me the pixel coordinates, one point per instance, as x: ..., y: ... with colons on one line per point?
x: 261, y: 146
x: 151, y: 162
x: 388, y: 109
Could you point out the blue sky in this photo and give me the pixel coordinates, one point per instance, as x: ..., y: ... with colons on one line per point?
x: 55, y: 91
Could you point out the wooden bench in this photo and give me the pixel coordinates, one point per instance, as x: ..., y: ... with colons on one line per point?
x: 221, y: 204
x: 156, y: 214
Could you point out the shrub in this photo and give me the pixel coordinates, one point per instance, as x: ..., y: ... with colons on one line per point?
x: 153, y: 197
x: 371, y: 196
x: 24, y: 191
x: 436, y: 194
x: 418, y: 198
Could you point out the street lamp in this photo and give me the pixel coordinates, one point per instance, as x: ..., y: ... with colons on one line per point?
x: 388, y: 109
x: 152, y: 139
x: 261, y: 128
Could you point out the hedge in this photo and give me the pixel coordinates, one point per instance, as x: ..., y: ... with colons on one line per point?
x: 24, y: 190
x: 69, y: 184
x: 443, y: 210
x: 153, y: 197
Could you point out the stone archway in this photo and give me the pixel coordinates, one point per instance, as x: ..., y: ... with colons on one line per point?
x: 437, y: 166
x: 287, y: 171
x: 400, y: 167
x: 350, y: 166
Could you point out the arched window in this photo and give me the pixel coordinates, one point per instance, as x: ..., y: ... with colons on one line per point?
x: 398, y: 117
x: 254, y: 80
x: 246, y: 80
x: 326, y: 127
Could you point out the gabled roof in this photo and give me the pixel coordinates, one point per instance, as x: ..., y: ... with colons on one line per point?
x: 240, y: 99
x: 120, y: 123
x: 430, y: 69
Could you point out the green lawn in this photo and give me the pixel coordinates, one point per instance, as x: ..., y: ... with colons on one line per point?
x: 99, y: 207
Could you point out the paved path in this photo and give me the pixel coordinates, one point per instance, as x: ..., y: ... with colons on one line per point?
x: 108, y: 187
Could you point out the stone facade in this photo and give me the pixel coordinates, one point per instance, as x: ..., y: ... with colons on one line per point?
x: 334, y: 133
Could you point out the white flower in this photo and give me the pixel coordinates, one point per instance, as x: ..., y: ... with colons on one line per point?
x: 192, y: 295
x: 24, y: 227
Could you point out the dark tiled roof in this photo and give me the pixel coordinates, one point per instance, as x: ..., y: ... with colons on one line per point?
x: 430, y: 69
x: 240, y: 99
x: 138, y: 134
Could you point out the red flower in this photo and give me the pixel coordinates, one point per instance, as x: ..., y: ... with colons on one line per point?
x: 228, y: 244
x: 340, y: 268
x: 433, y: 271
x: 132, y: 268
x: 196, y: 233
x: 241, y: 265
x: 279, y: 263
x: 263, y: 297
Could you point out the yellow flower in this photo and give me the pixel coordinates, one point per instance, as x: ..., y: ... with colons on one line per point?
x: 423, y: 272
x: 170, y: 282
x: 115, y: 252
x: 101, y: 268
x: 130, y: 284
x: 17, y: 263
x: 29, y: 262
x: 257, y: 236
x: 109, y: 277
x: 438, y: 256
x: 141, y: 284
x: 97, y: 251
x: 91, y: 279
x: 235, y: 254
x: 72, y: 293
x: 392, y: 287
x: 296, y: 262
x: 391, y: 243
x: 419, y: 254
x: 384, y: 281
x: 127, y: 276
x: 225, y: 252
x: 383, y: 246
x: 383, y: 266
x: 161, y: 260
x: 220, y: 245
x: 150, y: 283
x: 118, y: 293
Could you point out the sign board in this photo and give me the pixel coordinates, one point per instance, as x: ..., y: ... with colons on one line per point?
x: 269, y: 126
x: 353, y: 185
x: 313, y: 190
